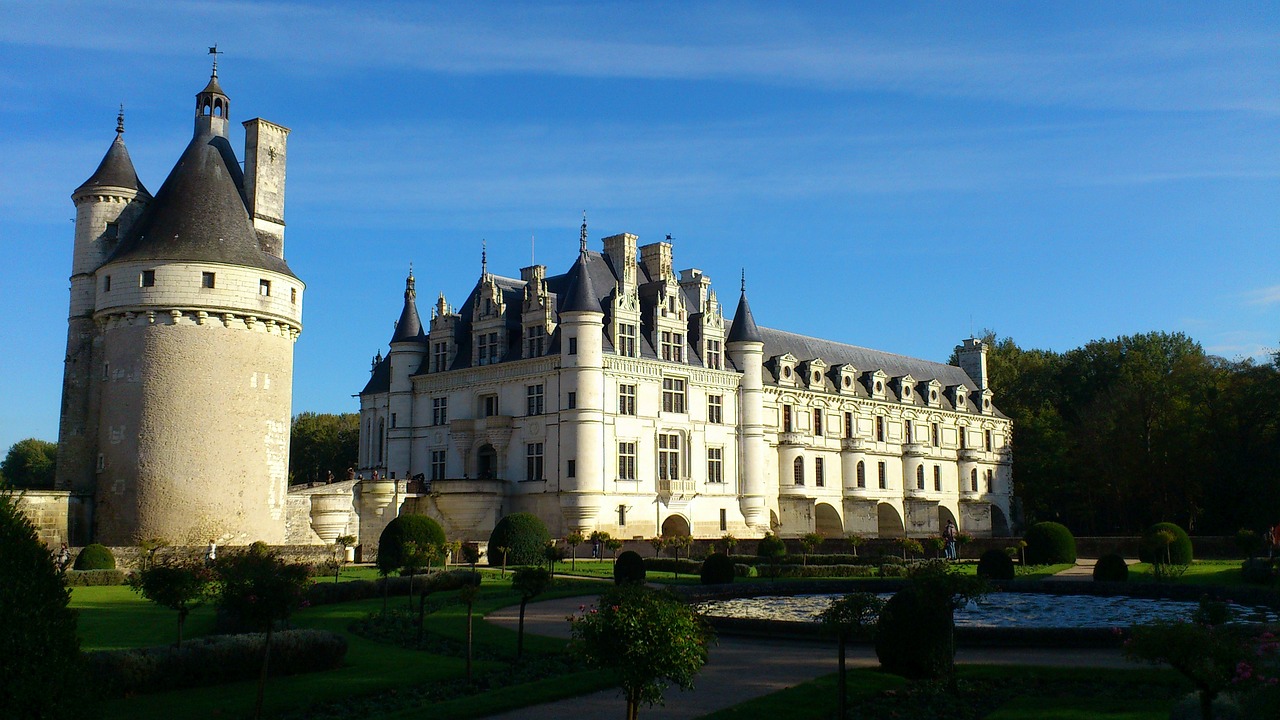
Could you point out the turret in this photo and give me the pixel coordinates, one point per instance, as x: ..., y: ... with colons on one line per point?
x: 746, y: 348
x: 582, y: 401
x: 213, y: 108
x: 408, y: 350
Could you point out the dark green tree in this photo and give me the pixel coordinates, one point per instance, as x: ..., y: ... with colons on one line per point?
x: 30, y: 464
x: 530, y: 582
x: 850, y: 617
x: 179, y: 586
x: 322, y: 443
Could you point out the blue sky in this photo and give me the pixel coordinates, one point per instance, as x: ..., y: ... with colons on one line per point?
x: 892, y: 175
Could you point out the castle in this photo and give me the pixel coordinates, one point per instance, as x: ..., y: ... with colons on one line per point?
x: 615, y: 397
x: 177, y: 388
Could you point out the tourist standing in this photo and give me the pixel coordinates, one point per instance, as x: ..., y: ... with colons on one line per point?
x: 949, y: 537
x: 211, y: 555
x: 64, y: 558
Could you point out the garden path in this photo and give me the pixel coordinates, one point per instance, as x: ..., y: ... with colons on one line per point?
x: 743, y: 668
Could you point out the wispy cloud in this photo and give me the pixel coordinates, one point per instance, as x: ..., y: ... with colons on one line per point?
x: 1264, y: 296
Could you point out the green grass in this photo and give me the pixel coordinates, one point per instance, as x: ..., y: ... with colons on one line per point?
x: 812, y: 700
x: 1200, y: 572
x: 117, y: 617
x: 1067, y: 708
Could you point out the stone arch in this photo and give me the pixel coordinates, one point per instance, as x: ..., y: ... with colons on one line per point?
x: 945, y: 516
x: 486, y: 462
x: 827, y: 522
x: 675, y: 526
x: 999, y: 523
x: 889, y: 521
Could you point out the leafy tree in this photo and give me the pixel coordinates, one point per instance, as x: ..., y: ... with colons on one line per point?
x: 647, y: 638
x: 40, y: 661
x: 321, y: 443
x: 179, y: 586
x: 729, y: 542
x: 573, y: 540
x: 658, y: 542
x: 530, y: 582
x: 613, y: 545
x: 848, y: 618
x: 416, y: 559
x: 524, y: 535
x: 854, y: 541
x: 340, y: 545
x: 261, y: 589
x: 149, y: 548
x: 467, y: 594
x: 1206, y: 654
x: 936, y: 544
x: 30, y: 464
x: 553, y: 553
x: 809, y: 542
x: 915, y: 635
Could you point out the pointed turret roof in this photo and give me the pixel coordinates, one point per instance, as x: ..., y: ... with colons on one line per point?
x: 744, y: 325
x: 116, y: 169
x: 409, y: 327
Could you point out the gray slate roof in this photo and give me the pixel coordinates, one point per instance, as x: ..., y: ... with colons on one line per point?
x: 199, y: 214
x: 744, y: 324
x: 115, y: 170
x: 779, y: 342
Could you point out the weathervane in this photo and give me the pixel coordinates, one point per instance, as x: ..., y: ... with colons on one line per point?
x: 215, y: 52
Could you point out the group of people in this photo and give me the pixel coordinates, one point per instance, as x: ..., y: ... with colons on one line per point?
x: 1272, y: 538
x: 949, y: 536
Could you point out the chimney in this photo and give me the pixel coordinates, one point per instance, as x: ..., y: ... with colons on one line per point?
x: 264, y: 164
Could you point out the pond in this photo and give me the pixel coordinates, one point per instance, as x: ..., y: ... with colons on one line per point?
x: 1006, y: 610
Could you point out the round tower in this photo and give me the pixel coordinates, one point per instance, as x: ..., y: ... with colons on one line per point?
x: 408, y: 350
x: 196, y: 325
x: 107, y: 204
x: 582, y: 349
x: 746, y: 347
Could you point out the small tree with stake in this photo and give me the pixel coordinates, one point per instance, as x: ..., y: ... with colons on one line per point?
x: 573, y: 540
x: 553, y: 553
x: 854, y: 541
x: 658, y: 542
x: 613, y: 545
x: 467, y: 594
x: 729, y: 542
x: 181, y: 587
x: 810, y: 542
x: 340, y: 545
x: 530, y: 582
x: 502, y: 552
x: 850, y: 617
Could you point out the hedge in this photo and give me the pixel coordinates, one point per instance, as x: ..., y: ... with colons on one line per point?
x: 88, y: 578
x: 629, y: 568
x: 1049, y: 543
x: 995, y: 565
x: 405, y: 529
x: 525, y: 537
x: 328, y: 593
x: 95, y: 557
x: 213, y: 660
x: 1152, y: 549
x: 672, y: 565
x: 717, y: 569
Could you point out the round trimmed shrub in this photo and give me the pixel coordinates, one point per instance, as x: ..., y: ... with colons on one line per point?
x: 525, y: 537
x: 1257, y: 571
x: 913, y: 635
x: 411, y: 528
x: 95, y: 557
x: 995, y: 565
x: 1152, y: 548
x: 1111, y: 568
x: 771, y: 546
x: 717, y: 569
x: 1049, y: 543
x: 629, y: 569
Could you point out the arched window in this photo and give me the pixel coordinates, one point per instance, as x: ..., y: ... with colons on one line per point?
x: 799, y: 471
x: 862, y: 474
x: 382, y: 439
x: 973, y: 480
x: 919, y: 477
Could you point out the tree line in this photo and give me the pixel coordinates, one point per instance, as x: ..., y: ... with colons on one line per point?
x: 1115, y: 435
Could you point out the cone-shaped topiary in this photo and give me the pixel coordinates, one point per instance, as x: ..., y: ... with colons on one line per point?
x: 717, y: 569
x: 95, y: 557
x: 1049, y: 543
x: 995, y: 565
x: 629, y: 568
x: 418, y: 529
x: 1153, y: 548
x: 40, y: 661
x: 523, y: 535
x: 913, y: 636
x: 771, y: 546
x: 1111, y: 568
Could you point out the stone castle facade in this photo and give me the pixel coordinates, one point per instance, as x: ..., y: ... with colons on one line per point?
x: 178, y: 382
x: 616, y: 397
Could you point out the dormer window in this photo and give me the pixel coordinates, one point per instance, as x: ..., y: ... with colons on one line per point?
x: 672, y: 346
x: 627, y: 340
x: 787, y: 369
x: 715, y: 357
x: 875, y: 382
x: 535, y: 341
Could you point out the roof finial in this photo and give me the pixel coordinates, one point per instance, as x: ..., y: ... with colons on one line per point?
x: 215, y: 52
x: 582, y: 238
x: 120, y: 121
x: 744, y: 280
x: 410, y: 286
x: 484, y: 259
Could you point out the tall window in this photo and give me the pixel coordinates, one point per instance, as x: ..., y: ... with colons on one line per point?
x: 672, y: 395
x: 533, y: 461
x: 862, y: 474
x: 438, y: 464
x: 622, y: 516
x: 919, y: 477
x: 439, y: 356
x: 382, y: 439
x: 715, y: 465
x: 535, y: 341
x: 573, y: 346
x: 991, y: 481
x: 988, y: 440
x: 715, y: 357
x: 572, y: 400
x: 264, y: 287
x: 724, y: 519
x: 907, y: 433
x: 669, y: 457
x: 440, y: 411
x: 786, y: 418
x: 489, y: 405
x: 937, y: 478
x: 628, y: 340
x: 626, y: 461
x: 626, y: 399
x: 973, y: 480
x: 819, y: 476
x: 715, y: 409
x: 534, y: 399
x: 672, y: 346
x: 879, y: 428
x: 933, y: 434
x: 393, y: 421
x: 964, y: 437
x: 884, y: 476
x: 848, y: 424
x: 487, y: 344
x: 797, y: 471
x: 571, y: 468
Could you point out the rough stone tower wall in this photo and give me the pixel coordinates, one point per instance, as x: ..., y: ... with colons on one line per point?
x: 265, y: 145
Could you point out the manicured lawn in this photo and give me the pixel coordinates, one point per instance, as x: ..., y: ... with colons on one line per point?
x: 117, y: 617
x: 604, y: 569
x: 813, y: 700
x: 1067, y: 708
x: 1200, y: 572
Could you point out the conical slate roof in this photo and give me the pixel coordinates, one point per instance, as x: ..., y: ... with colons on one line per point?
x: 115, y: 170
x: 409, y: 327
x: 744, y: 325
x: 582, y: 293
x: 200, y: 214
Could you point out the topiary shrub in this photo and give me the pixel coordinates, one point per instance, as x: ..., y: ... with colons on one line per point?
x: 1111, y: 568
x: 771, y: 547
x: 893, y: 570
x: 1153, y: 547
x: 1049, y: 543
x: 629, y: 568
x: 95, y: 557
x: 913, y: 636
x: 410, y: 528
x: 40, y: 666
x: 1257, y: 571
x: 744, y: 570
x: 995, y: 565
x: 525, y: 537
x: 717, y: 569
